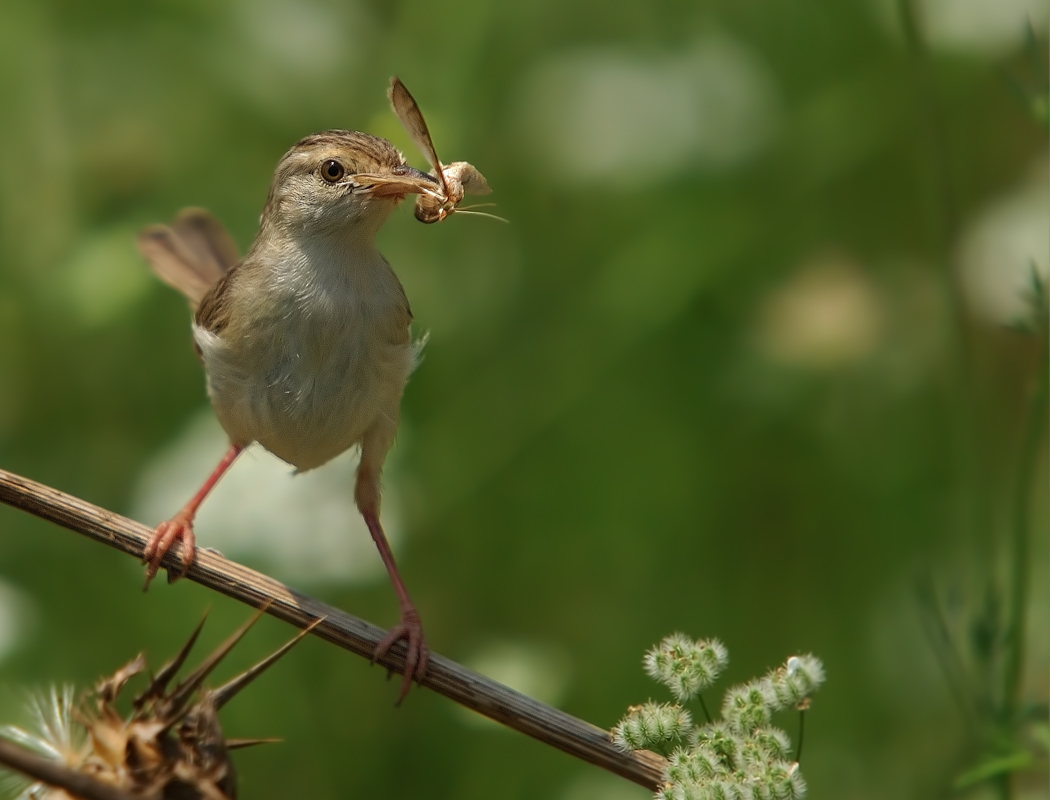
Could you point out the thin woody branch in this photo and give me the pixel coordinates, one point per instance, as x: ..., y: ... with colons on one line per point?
x: 44, y: 770
x: 446, y: 677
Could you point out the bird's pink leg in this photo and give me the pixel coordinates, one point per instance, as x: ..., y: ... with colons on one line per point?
x: 410, y: 628
x: 181, y: 525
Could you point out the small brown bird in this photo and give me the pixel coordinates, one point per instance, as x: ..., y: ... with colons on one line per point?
x: 306, y: 340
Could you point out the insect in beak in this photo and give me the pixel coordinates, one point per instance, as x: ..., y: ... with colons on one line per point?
x: 454, y: 180
x: 401, y: 181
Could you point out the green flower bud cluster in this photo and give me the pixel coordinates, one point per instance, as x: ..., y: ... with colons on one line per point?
x: 684, y: 666
x: 740, y: 757
x: 651, y: 724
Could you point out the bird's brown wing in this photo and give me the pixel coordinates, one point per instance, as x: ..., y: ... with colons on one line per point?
x: 213, y: 313
x: 192, y: 254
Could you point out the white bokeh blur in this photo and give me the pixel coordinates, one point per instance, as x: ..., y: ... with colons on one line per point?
x: 827, y: 314
x: 540, y: 671
x: 980, y: 28
x: 299, y: 528
x: 16, y: 618
x: 277, y: 54
x: 1000, y: 246
x: 632, y: 119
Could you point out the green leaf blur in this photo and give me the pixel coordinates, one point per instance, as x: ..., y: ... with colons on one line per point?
x: 740, y: 365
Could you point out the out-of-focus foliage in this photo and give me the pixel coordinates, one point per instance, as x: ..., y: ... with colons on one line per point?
x: 712, y: 377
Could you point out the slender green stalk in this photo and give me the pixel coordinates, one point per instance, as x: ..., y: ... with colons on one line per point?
x: 938, y: 631
x: 1001, y: 687
x: 961, y: 396
x: 963, y: 400
x: 1020, y: 567
x: 703, y: 705
x: 801, y: 734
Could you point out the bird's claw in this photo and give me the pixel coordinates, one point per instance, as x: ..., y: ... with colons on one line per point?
x: 410, y: 629
x: 164, y: 536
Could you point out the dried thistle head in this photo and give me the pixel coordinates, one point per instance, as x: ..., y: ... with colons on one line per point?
x: 170, y: 746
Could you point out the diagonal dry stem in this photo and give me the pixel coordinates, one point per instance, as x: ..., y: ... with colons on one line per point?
x: 52, y: 773
x: 446, y: 677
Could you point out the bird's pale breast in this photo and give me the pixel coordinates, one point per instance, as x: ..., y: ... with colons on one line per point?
x: 323, y: 362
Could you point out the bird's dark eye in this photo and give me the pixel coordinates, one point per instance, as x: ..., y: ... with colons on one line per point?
x: 332, y: 171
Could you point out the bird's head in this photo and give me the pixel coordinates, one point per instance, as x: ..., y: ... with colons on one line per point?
x: 340, y: 180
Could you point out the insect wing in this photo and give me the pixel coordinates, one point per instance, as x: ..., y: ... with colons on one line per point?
x: 411, y: 117
x: 467, y: 175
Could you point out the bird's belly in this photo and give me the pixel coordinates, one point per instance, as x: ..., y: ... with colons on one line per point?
x: 308, y: 395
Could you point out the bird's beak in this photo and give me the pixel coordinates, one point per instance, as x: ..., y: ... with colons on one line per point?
x: 400, y: 181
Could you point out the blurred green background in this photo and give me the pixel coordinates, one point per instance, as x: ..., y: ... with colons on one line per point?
x: 712, y: 377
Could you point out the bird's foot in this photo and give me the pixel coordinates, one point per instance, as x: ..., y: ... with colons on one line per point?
x: 416, y: 653
x: 164, y: 536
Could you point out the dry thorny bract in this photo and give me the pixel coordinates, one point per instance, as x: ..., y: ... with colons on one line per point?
x: 167, y: 747
x: 456, y: 179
